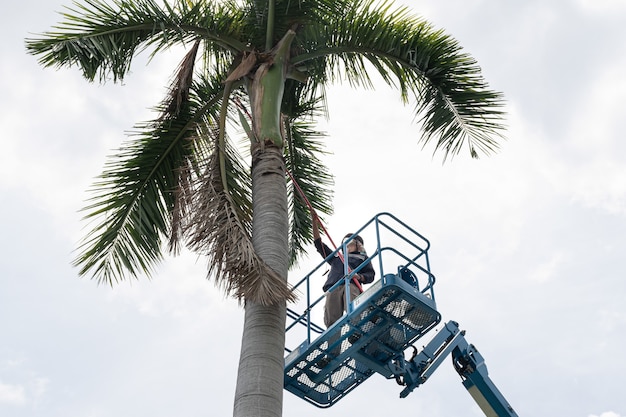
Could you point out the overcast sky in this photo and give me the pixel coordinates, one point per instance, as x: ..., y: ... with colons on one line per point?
x: 528, y: 246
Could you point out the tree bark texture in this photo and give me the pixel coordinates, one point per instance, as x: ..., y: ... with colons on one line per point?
x: 259, y: 391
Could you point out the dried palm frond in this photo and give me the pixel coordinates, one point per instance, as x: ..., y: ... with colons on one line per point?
x: 220, y: 228
x: 182, y: 82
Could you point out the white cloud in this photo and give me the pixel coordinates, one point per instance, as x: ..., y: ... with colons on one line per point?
x: 55, y: 156
x: 179, y: 290
x: 39, y: 386
x: 597, y: 177
x: 546, y: 271
x: 12, y: 394
x: 612, y: 320
x: 606, y: 414
x: 602, y: 6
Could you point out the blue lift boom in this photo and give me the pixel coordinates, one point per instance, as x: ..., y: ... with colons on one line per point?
x: 381, y: 324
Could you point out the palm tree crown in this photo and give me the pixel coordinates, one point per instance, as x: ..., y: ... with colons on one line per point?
x: 258, y: 67
x: 152, y: 189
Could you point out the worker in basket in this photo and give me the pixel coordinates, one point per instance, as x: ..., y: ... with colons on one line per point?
x: 336, y: 299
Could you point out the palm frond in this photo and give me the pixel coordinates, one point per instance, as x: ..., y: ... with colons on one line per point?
x: 175, y: 102
x: 313, y: 180
x: 134, y: 196
x: 178, y: 94
x: 205, y: 94
x: 454, y: 103
x: 220, y: 227
x: 288, y: 14
x: 142, y: 191
x: 102, y: 37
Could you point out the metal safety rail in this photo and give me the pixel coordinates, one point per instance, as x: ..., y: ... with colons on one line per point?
x: 323, y: 365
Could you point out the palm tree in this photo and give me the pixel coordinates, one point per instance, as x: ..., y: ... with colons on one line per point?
x: 258, y: 69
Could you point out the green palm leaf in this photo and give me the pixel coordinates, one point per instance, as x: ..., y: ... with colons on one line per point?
x: 134, y: 194
x: 313, y: 178
x: 102, y: 37
x: 454, y: 102
x: 143, y: 189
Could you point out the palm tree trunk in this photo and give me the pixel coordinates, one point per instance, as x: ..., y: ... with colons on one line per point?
x: 259, y: 390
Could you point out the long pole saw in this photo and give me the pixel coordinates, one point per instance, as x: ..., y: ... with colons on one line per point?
x: 316, y: 218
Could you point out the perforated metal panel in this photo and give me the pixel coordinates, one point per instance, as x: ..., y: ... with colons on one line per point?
x: 385, y: 320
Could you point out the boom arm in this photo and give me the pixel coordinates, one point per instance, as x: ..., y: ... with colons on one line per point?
x: 467, y: 361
